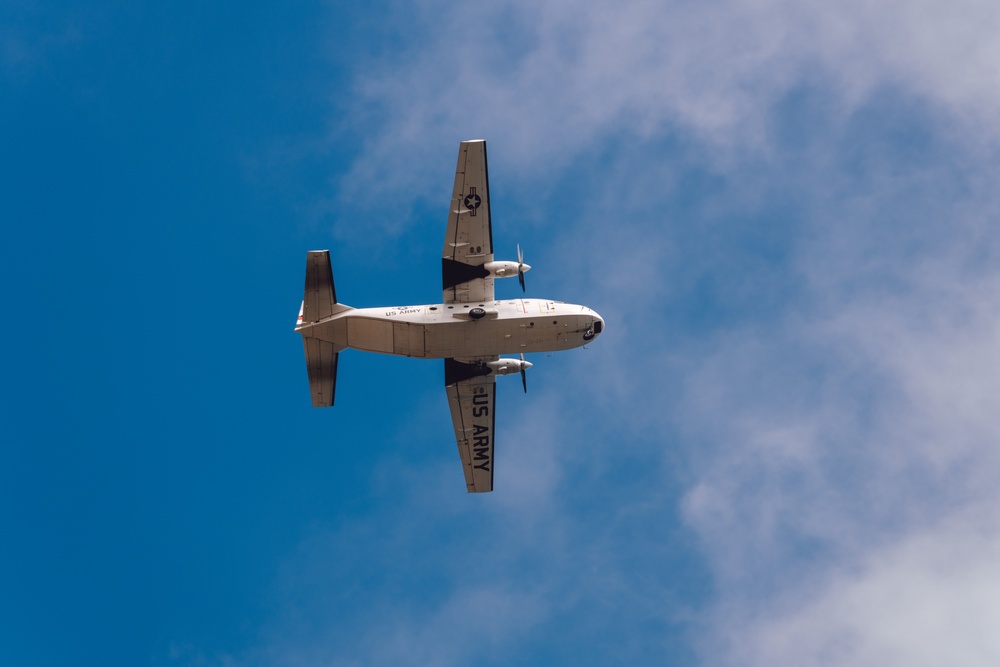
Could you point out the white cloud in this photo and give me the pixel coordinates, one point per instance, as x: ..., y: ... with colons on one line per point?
x: 550, y: 81
x: 929, y: 599
x: 834, y: 420
x: 860, y: 423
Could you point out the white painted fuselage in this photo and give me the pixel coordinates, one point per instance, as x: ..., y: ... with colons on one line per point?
x: 460, y: 331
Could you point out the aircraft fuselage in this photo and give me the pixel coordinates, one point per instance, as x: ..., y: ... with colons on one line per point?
x: 461, y: 331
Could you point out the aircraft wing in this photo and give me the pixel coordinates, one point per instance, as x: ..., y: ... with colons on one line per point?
x: 472, y: 398
x: 468, y: 242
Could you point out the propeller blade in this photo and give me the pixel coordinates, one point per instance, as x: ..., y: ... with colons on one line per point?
x: 524, y: 375
x: 520, y: 269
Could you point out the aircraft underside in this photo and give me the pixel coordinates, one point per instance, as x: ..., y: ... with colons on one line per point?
x: 443, y: 331
x: 470, y: 329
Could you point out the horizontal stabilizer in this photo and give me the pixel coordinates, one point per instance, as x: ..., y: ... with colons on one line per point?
x: 321, y: 363
x: 320, y: 294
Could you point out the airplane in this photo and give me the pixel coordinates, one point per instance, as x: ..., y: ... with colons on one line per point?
x: 470, y: 329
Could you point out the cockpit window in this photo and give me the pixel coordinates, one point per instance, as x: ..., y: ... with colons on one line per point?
x: 598, y: 326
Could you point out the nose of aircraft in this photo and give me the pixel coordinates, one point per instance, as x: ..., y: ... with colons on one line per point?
x: 598, y: 324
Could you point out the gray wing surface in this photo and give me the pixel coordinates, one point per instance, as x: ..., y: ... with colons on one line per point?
x: 472, y: 399
x: 468, y: 242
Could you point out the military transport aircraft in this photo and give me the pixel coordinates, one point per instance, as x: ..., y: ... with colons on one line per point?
x: 470, y: 330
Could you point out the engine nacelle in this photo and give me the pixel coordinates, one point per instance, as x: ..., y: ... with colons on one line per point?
x: 508, y: 366
x: 505, y: 269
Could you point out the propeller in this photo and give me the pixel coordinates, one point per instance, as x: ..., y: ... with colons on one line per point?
x: 524, y: 366
x: 520, y: 275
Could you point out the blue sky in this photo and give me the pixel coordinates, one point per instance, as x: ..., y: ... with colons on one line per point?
x: 783, y: 450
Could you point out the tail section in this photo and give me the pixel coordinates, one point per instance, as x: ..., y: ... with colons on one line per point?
x: 320, y: 303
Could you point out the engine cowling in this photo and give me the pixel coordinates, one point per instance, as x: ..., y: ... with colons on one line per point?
x: 508, y: 366
x: 505, y: 269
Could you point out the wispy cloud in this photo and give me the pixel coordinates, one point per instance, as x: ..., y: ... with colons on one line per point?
x: 549, y: 79
x: 786, y: 211
x: 29, y: 39
x: 924, y: 599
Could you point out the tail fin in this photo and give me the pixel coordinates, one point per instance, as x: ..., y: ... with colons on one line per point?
x: 320, y: 302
